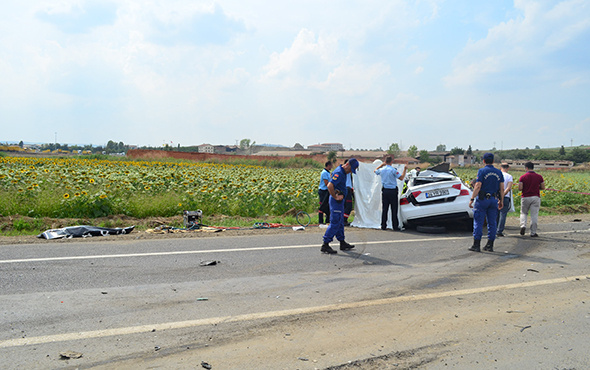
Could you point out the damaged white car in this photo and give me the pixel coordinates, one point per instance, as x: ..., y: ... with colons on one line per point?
x: 436, y: 196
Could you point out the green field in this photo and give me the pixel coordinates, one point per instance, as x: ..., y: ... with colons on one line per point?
x: 91, y: 188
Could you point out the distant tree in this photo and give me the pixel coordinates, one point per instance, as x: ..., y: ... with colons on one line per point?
x: 332, y: 156
x: 562, y: 151
x: 579, y: 155
x: 21, y: 144
x: 298, y: 146
x: 537, y: 147
x: 413, y: 151
x: 424, y: 156
x: 111, y: 147
x: 394, y: 149
x: 441, y: 148
x: 469, y: 151
x: 246, y: 144
x: 457, y: 150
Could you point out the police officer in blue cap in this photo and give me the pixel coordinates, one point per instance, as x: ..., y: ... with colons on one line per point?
x: 337, y: 190
x: 487, y: 199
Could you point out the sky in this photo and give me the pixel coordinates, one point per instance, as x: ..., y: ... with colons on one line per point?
x: 366, y: 73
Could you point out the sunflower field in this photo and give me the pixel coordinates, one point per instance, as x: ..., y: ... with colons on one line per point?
x: 75, y: 187
x: 565, y: 191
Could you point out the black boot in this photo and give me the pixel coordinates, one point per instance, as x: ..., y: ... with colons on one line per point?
x: 344, y: 246
x: 327, y: 249
x: 489, y: 247
x: 320, y: 218
x: 475, y: 246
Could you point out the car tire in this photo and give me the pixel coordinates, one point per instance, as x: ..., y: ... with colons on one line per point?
x: 430, y: 229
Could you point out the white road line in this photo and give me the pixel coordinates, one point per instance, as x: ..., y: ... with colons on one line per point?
x: 274, y: 314
x: 172, y: 253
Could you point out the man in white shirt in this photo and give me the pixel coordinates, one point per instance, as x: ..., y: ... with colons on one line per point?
x: 508, y: 180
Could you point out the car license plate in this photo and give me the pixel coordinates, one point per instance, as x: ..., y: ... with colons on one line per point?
x: 437, y: 193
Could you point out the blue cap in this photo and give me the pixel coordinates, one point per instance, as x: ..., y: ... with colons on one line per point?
x: 488, y: 157
x: 354, y: 164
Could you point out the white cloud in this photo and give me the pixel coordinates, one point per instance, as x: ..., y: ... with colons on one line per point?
x: 522, y: 43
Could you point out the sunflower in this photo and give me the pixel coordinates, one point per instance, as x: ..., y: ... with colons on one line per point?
x: 103, y: 196
x: 66, y: 196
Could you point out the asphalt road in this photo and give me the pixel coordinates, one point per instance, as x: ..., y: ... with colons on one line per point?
x: 400, y: 300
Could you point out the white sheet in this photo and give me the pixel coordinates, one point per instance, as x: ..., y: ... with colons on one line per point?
x: 367, y: 196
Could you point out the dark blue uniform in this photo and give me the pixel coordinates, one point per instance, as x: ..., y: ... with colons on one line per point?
x: 486, y: 202
x: 336, y: 227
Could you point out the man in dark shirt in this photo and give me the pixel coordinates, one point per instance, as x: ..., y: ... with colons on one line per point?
x: 530, y: 184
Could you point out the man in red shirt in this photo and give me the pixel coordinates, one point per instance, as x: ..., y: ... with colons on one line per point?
x: 530, y: 184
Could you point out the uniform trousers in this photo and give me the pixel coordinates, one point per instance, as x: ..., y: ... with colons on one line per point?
x: 389, y: 199
x: 336, y: 227
x: 485, y: 209
x: 532, y: 204
x: 348, y: 203
x: 323, y: 194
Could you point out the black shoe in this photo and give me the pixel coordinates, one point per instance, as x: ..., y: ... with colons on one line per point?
x: 383, y: 228
x: 489, y: 247
x: 475, y: 246
x: 534, y: 235
x: 346, y: 223
x: 327, y: 249
x: 500, y: 234
x: 522, y: 230
x: 344, y: 246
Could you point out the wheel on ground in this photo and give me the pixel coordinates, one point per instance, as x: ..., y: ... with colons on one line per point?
x: 303, y: 218
x: 431, y: 229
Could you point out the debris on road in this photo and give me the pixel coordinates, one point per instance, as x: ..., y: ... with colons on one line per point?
x: 522, y: 328
x: 67, y: 355
x: 206, y: 365
x: 533, y: 270
x: 209, y: 263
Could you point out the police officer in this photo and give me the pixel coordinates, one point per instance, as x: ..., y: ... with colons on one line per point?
x: 487, y: 198
x: 389, y: 192
x: 337, y: 190
x: 323, y: 192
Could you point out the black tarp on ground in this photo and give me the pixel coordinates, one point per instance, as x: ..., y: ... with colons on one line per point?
x: 83, y: 231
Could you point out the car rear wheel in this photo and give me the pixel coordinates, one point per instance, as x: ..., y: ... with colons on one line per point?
x: 431, y: 229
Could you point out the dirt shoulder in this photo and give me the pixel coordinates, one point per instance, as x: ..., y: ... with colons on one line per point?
x: 148, y: 228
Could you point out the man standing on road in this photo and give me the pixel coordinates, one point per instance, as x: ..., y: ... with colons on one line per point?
x: 389, y: 192
x: 489, y: 191
x: 337, y: 190
x: 530, y: 184
x: 323, y: 192
x: 508, y: 180
x: 349, y: 197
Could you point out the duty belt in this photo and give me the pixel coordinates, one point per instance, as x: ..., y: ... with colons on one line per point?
x: 487, y: 195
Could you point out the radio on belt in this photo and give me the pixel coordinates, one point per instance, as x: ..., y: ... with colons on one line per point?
x: 192, y: 218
